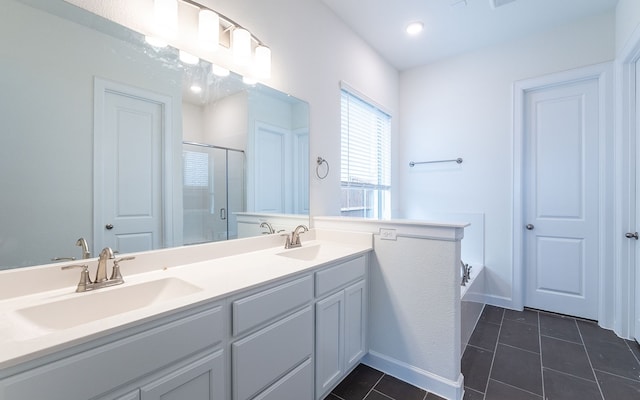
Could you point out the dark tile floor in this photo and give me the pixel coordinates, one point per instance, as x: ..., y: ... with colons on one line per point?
x: 526, y: 355
x: 536, y: 355
x: 370, y: 384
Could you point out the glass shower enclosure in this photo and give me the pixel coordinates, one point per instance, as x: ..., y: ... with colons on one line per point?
x: 213, y: 191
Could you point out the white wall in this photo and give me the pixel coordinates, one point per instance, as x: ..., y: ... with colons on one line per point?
x: 627, y: 20
x: 312, y: 51
x: 462, y: 107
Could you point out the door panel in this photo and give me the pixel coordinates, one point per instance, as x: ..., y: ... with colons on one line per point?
x: 561, y: 198
x: 130, y: 193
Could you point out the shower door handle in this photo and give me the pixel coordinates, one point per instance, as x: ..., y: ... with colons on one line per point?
x: 223, y: 214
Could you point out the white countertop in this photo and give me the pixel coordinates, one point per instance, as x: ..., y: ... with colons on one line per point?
x: 21, y: 340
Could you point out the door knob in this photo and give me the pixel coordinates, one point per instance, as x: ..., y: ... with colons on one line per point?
x: 630, y: 235
x: 529, y: 227
x: 109, y: 226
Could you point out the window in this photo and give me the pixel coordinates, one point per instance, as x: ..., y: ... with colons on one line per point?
x: 365, y: 176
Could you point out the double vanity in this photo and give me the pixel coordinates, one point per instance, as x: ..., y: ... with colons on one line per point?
x: 238, y: 320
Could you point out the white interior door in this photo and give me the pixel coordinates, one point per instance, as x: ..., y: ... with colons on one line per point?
x: 128, y: 196
x: 561, y: 198
x: 272, y: 169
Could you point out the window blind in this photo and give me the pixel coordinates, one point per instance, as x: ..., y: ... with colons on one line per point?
x: 366, y: 144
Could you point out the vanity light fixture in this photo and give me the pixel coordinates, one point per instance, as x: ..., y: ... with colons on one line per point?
x: 241, y: 46
x: 165, y: 13
x: 219, y: 71
x: 247, y: 80
x: 414, y: 28
x: 263, y: 62
x: 214, y: 30
x: 208, y: 29
x: 155, y: 41
x: 188, y: 58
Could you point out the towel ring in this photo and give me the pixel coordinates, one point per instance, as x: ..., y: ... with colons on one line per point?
x: 321, y: 161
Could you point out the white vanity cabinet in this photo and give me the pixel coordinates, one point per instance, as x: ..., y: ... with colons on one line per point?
x: 165, y: 358
x: 271, y: 355
x: 340, y: 322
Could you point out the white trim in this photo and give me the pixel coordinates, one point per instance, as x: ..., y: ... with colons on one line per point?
x: 603, y: 73
x: 626, y: 279
x: 345, y: 86
x: 418, y: 377
x: 101, y: 87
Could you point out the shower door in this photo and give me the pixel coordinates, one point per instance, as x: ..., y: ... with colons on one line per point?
x: 213, y: 190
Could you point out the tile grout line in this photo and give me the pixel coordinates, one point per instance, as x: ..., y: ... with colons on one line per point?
x: 540, y: 347
x: 632, y: 352
x: 373, y: 387
x: 493, y: 358
x: 595, y: 377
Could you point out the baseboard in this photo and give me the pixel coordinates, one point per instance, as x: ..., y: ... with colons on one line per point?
x: 452, y: 390
x: 499, y: 301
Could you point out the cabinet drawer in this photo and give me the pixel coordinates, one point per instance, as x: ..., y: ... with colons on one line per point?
x: 335, y: 277
x: 96, y: 371
x: 297, y: 384
x: 255, y: 310
x: 265, y: 356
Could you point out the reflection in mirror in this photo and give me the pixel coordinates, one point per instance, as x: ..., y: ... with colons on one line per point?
x: 95, y: 123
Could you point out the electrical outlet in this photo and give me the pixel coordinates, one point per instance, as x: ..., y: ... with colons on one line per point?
x: 387, y: 234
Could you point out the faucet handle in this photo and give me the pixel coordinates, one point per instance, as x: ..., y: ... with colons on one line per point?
x: 115, y: 271
x: 85, y: 280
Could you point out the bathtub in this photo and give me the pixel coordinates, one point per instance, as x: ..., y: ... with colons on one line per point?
x: 471, y: 304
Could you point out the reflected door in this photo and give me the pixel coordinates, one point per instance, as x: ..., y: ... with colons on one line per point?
x: 128, y: 191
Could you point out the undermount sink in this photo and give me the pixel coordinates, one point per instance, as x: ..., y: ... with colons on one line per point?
x: 307, y: 253
x: 93, y: 306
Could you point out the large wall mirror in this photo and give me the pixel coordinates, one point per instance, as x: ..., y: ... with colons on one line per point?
x: 109, y: 139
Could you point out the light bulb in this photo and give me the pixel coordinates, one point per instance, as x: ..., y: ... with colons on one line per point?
x: 166, y: 17
x: 208, y: 29
x: 219, y: 71
x: 263, y: 62
x: 188, y: 58
x: 241, y: 44
x: 414, y: 28
x: 155, y: 41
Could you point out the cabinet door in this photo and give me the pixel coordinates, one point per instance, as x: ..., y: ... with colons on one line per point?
x: 201, y: 380
x: 130, y: 396
x: 354, y: 324
x: 329, y: 342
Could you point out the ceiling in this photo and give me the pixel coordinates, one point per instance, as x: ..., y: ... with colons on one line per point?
x: 454, y: 26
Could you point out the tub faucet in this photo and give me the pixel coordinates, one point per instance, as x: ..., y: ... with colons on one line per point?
x: 101, y: 273
x: 85, y: 248
x: 294, y: 240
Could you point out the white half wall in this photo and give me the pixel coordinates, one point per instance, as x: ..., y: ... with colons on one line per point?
x: 462, y: 107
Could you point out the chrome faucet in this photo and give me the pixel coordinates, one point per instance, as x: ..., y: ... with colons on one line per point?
x: 294, y: 240
x: 101, y: 280
x: 85, y: 248
x: 270, y: 229
x: 101, y: 272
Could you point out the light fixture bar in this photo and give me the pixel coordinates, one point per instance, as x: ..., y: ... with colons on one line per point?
x: 224, y: 18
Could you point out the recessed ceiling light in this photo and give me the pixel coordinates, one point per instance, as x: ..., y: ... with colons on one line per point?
x: 414, y: 28
x: 196, y: 88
